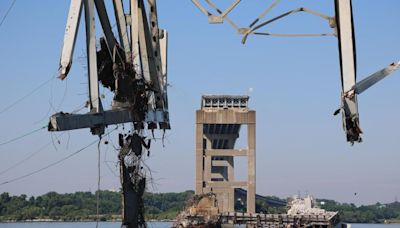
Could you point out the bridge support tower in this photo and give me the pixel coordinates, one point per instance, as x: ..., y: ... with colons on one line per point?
x: 218, y: 124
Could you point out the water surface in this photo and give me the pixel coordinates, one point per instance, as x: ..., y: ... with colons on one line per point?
x: 77, y: 225
x: 375, y: 225
x: 118, y: 225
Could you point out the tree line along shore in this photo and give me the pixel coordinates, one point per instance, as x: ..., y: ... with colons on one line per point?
x: 81, y: 206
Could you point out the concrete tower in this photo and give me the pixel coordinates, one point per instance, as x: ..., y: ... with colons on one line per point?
x: 218, y: 124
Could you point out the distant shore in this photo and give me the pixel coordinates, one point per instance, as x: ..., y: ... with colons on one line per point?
x: 69, y: 221
x: 392, y: 221
x: 159, y: 207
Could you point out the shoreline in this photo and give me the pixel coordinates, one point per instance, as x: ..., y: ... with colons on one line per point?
x: 153, y: 220
x: 73, y: 221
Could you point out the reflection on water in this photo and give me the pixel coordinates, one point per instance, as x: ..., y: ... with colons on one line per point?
x: 150, y: 224
x: 77, y: 225
x: 375, y: 225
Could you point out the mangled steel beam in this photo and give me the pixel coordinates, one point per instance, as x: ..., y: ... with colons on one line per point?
x: 347, y: 54
x: 142, y: 92
x: 65, y: 121
x: 107, y: 29
x: 348, y: 68
x: 71, y: 32
x: 216, y: 19
x: 133, y: 180
x: 371, y: 80
x: 135, y: 71
x: 122, y: 29
x: 164, y: 65
x: 94, y: 96
x: 343, y: 24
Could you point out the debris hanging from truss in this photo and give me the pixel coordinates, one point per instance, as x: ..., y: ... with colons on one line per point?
x: 134, y: 68
x: 133, y: 178
x: 343, y: 26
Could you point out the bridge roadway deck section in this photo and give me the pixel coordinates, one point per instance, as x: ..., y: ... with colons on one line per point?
x: 279, y: 220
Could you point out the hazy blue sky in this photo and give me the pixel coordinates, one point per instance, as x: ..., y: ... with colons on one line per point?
x: 296, y: 87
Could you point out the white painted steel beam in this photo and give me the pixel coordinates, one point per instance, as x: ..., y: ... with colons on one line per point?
x: 134, y: 11
x: 105, y: 24
x: 156, y: 36
x: 164, y: 54
x: 147, y: 58
x: 201, y: 8
x: 71, y: 32
x: 214, y: 19
x: 155, y: 41
x: 141, y: 26
x: 122, y: 29
x: 146, y: 51
x: 347, y: 52
x: 164, y: 65
x: 230, y: 8
x: 94, y: 96
x: 371, y: 80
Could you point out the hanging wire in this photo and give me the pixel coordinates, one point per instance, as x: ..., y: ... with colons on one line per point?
x: 52, y: 141
x: 22, y: 136
x: 48, y: 166
x: 25, y: 96
x: 52, y: 164
x: 106, y: 161
x: 17, y: 164
x: 51, y: 106
x: 25, y: 159
x: 8, y: 11
x: 98, y: 183
x: 63, y: 96
x: 69, y: 137
x: 150, y: 179
x: 51, y: 101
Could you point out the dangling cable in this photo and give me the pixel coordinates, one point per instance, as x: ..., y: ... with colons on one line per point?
x: 25, y: 96
x: 25, y: 159
x: 98, y: 183
x: 22, y: 136
x: 47, y: 166
x: 53, y: 163
x: 6, y: 14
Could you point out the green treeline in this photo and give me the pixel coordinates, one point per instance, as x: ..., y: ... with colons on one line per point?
x: 377, y: 213
x: 81, y: 206
x: 165, y: 205
x: 71, y: 206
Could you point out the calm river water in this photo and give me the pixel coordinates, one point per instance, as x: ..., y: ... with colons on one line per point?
x: 77, y: 225
x: 151, y: 225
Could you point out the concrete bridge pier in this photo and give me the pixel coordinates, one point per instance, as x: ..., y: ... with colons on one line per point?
x: 218, y: 124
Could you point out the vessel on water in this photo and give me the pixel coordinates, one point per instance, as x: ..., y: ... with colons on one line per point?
x: 202, y: 211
